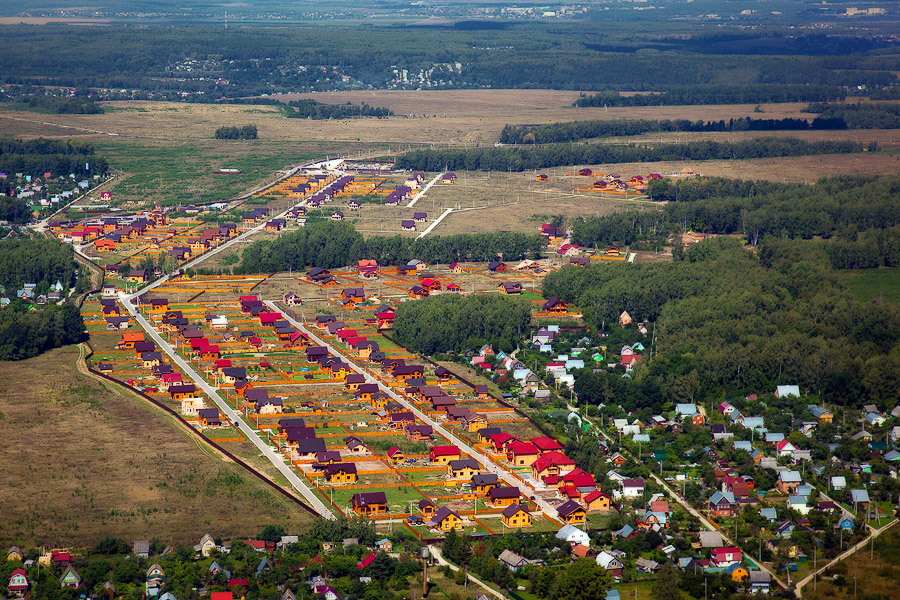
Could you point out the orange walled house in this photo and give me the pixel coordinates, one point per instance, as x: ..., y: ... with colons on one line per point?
x: 522, y: 454
x: 129, y: 339
x: 105, y: 246
x: 597, y: 500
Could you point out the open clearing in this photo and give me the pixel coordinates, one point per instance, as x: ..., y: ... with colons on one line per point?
x: 89, y: 459
x: 869, y: 285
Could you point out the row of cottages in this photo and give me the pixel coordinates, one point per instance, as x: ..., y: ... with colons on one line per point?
x: 255, y: 215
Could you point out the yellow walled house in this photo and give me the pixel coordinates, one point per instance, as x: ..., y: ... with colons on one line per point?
x: 572, y: 513
x: 206, y: 546
x: 445, y: 520
x: 340, y: 473
x: 465, y: 468
x: 516, y: 515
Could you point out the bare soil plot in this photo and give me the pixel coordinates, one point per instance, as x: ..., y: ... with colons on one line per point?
x: 111, y: 465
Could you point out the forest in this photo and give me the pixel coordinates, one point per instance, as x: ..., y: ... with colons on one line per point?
x: 330, y: 244
x: 244, y: 62
x: 246, y: 132
x: 555, y: 155
x: 578, y: 130
x: 57, y: 105
x: 310, y: 109
x: 60, y: 158
x: 454, y: 323
x: 719, y: 94
x: 836, y: 206
x: 727, y: 322
x: 860, y: 115
x: 26, y: 333
x: 26, y: 260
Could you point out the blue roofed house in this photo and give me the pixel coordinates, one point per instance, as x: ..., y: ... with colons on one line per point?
x: 625, y: 532
x: 753, y: 422
x: 743, y: 445
x: 768, y: 513
x: 799, y: 504
x: 875, y: 419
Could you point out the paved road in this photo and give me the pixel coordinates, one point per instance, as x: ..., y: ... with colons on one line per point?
x: 435, y: 223
x: 424, y: 189
x: 265, y: 449
x: 874, y: 533
x: 436, y: 553
x: 462, y: 444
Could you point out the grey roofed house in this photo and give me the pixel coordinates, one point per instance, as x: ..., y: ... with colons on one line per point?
x: 347, y: 542
x: 142, y: 548
x: 711, y: 539
x: 859, y: 496
x: 645, y: 565
x: 512, y: 560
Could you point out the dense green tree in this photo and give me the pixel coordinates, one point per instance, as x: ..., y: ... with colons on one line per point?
x: 583, y: 580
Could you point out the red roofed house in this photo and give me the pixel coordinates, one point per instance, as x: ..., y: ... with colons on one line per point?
x: 366, y: 561
x: 551, y: 463
x: 597, y: 500
x: 546, y: 444
x: 725, y: 557
x: 18, y: 582
x: 522, y: 454
x: 441, y: 455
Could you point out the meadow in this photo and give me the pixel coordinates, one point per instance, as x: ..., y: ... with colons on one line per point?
x: 91, y: 458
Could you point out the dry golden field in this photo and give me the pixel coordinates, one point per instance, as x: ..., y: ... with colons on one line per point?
x: 89, y: 459
x: 165, y: 151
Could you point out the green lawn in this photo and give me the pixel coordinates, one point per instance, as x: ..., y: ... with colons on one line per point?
x: 182, y: 172
x: 870, y: 284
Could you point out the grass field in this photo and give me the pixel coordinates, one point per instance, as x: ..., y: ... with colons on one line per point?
x: 91, y: 460
x: 181, y: 171
x: 873, y: 284
x: 876, y: 577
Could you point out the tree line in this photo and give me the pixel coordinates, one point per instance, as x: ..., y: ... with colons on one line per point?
x: 860, y: 115
x: 728, y: 323
x: 39, y: 260
x: 60, y: 106
x: 334, y: 244
x: 756, y: 209
x: 578, y: 130
x: 555, y: 155
x: 310, y: 109
x: 247, y: 132
x: 60, y: 158
x: 719, y: 94
x: 26, y: 333
x: 258, y: 61
x: 455, y: 323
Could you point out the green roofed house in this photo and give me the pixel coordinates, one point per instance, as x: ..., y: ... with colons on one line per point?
x: 70, y: 578
x: 660, y: 455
